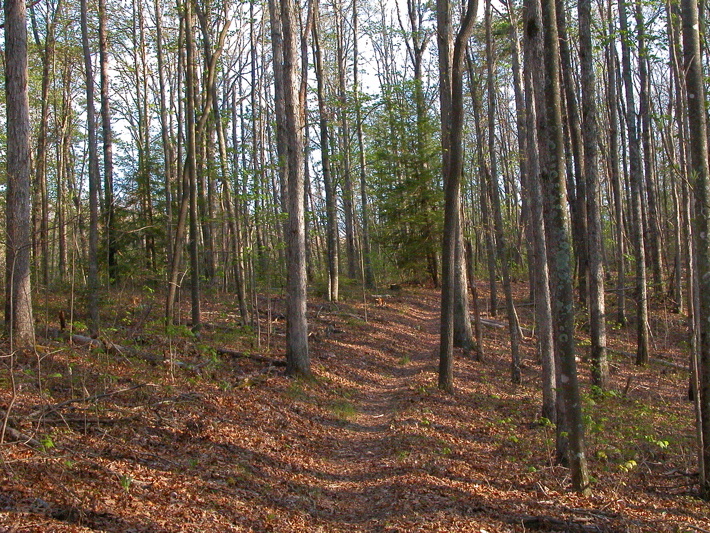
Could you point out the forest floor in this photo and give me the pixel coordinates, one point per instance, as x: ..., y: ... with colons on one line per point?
x: 186, y: 434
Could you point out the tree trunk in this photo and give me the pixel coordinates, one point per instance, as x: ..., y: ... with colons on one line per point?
x: 451, y: 96
x: 536, y: 148
x: 557, y: 226
x: 614, y: 169
x: 93, y: 278
x: 18, y: 286
x: 701, y: 225
x: 297, y: 358
x: 109, y: 209
x: 191, y: 166
x: 330, y: 190
x: 504, y: 259
x: 597, y: 326
x: 636, y: 179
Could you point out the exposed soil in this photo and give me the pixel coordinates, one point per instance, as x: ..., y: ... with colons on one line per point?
x: 205, y: 441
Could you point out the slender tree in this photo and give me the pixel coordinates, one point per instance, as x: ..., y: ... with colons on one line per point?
x: 297, y: 358
x: 451, y: 97
x: 600, y: 369
x: 557, y: 225
x: 94, y: 176
x: 700, y: 173
x: 18, y: 286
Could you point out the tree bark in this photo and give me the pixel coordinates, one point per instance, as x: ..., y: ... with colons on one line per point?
x: 93, y: 278
x: 297, y: 357
x: 330, y: 190
x: 701, y: 224
x: 590, y: 132
x: 536, y: 120
x: 18, y: 248
x: 560, y: 255
x: 636, y: 179
x: 451, y: 96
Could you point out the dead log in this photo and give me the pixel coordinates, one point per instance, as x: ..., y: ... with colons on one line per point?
x: 103, y: 344
x: 254, y: 357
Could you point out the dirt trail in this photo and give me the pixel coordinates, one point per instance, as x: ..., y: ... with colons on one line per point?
x: 368, y: 478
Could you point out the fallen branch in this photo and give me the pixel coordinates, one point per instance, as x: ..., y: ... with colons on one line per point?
x: 255, y: 357
x: 12, y: 434
x: 101, y: 344
x: 56, y: 407
x: 658, y: 360
x: 549, y: 523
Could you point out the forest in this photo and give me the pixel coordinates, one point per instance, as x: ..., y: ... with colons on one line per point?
x: 376, y: 265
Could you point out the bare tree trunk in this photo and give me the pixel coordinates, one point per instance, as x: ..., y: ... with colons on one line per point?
x: 590, y: 131
x: 578, y: 207
x: 93, y: 279
x: 451, y: 95
x: 699, y: 170
x: 297, y: 358
x: 369, y: 277
x: 18, y: 248
x: 636, y: 179
x: 501, y: 243
x: 191, y: 164
x: 536, y: 122
x: 653, y: 225
x: 615, y: 174
x: 109, y: 209
x: 330, y: 190
x: 560, y: 254
x: 168, y: 152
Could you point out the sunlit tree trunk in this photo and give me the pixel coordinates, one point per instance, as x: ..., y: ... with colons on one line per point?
x: 93, y: 278
x: 636, y: 179
x: 700, y: 176
x: 451, y: 97
x: 297, y: 357
x: 107, y: 133
x: 536, y: 120
x: 590, y: 132
x: 501, y: 242
x: 557, y: 225
x: 330, y: 190
x: 18, y: 286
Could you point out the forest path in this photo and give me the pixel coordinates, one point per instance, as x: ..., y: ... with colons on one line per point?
x: 371, y: 457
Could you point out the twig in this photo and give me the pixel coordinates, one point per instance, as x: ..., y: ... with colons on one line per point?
x: 95, y: 397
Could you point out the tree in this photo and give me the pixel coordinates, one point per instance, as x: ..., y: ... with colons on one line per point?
x: 557, y: 226
x: 701, y: 224
x: 636, y: 179
x: 18, y: 286
x: 451, y: 97
x: 297, y: 358
x: 94, y: 177
x: 600, y: 369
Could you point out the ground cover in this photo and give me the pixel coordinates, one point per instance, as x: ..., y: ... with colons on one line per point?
x: 180, y: 433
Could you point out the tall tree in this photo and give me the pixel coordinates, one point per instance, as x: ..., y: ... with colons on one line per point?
x: 536, y: 121
x: 109, y: 203
x: 94, y: 176
x: 700, y: 173
x: 191, y: 166
x: 636, y: 179
x: 600, y: 369
x: 501, y: 242
x: 557, y: 225
x: 331, y: 211
x: 451, y: 98
x: 297, y: 357
x: 18, y: 286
